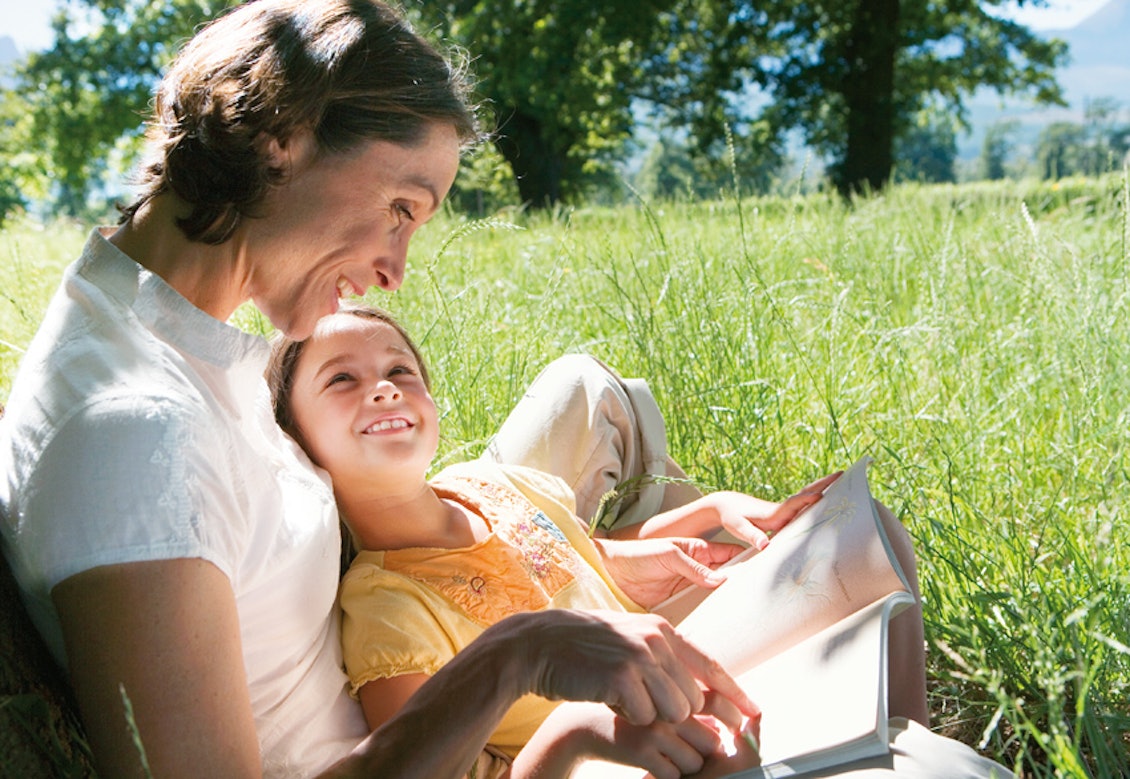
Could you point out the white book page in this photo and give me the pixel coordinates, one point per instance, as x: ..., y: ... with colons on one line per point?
x: 828, y: 563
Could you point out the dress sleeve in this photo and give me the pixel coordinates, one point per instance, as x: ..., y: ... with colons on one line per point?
x: 392, y: 626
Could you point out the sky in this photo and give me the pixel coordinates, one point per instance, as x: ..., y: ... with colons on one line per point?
x: 27, y: 21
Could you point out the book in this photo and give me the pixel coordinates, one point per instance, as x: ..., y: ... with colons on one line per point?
x: 802, y: 626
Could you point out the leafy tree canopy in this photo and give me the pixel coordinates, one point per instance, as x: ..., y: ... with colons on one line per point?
x: 852, y: 75
x: 558, y: 76
x: 88, y: 94
x: 564, y: 78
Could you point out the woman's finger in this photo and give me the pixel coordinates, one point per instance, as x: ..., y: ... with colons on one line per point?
x: 724, y: 711
x: 714, y: 677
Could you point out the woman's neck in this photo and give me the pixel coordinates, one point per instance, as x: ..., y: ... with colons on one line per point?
x: 418, y: 518
x: 204, y: 274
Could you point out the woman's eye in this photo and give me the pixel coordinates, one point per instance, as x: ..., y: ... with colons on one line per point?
x: 403, y: 212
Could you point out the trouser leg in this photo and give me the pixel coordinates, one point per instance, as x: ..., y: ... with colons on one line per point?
x: 581, y: 421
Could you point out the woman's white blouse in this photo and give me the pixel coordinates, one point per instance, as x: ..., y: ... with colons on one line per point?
x: 139, y: 428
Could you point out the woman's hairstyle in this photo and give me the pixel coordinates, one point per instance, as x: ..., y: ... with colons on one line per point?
x: 286, y: 352
x: 350, y: 71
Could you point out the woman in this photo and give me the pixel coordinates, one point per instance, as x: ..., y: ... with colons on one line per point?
x: 171, y: 545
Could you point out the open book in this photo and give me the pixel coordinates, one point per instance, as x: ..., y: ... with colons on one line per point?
x: 802, y: 625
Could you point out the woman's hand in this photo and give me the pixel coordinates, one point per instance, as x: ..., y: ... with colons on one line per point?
x: 637, y: 664
x: 651, y: 571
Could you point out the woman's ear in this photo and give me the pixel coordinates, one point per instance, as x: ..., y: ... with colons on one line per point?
x: 286, y: 154
x: 273, y: 149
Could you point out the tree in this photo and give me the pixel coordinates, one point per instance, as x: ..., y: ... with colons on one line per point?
x: 18, y: 169
x: 558, y: 76
x: 87, y: 92
x: 676, y: 168
x: 1097, y: 146
x: 995, y: 148
x: 1060, y: 150
x: 927, y: 150
x: 853, y: 74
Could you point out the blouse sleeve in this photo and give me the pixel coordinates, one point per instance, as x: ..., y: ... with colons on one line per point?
x: 125, y: 481
x: 392, y: 626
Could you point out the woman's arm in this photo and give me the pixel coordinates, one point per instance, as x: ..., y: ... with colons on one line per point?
x: 635, y: 663
x: 168, y: 633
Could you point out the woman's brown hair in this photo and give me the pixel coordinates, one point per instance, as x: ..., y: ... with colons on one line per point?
x: 350, y: 71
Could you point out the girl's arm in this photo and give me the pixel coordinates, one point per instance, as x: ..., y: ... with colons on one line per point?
x: 579, y: 731
x: 381, y: 699
x: 746, y: 517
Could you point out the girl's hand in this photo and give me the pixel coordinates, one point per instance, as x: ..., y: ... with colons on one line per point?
x: 745, y: 517
x: 751, y: 519
x: 649, y: 571
x: 579, y: 731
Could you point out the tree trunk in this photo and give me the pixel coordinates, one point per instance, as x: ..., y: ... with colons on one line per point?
x: 537, y: 167
x: 868, y: 90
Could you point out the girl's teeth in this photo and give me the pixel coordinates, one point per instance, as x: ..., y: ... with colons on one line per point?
x: 395, y: 424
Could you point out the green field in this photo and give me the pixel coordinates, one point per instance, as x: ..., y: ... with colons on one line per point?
x: 975, y: 340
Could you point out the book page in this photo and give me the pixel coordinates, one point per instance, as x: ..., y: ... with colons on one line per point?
x: 826, y: 564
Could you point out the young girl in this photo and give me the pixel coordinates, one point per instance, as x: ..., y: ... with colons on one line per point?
x: 441, y: 560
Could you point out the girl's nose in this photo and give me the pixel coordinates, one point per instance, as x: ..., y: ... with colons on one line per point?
x: 386, y: 390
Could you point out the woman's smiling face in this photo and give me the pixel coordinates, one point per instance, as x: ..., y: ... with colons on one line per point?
x: 340, y: 223
x: 362, y: 406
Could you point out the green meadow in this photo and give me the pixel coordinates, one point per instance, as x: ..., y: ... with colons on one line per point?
x: 973, y: 339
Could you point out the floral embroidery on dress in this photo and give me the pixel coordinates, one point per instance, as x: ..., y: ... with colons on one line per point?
x: 545, y: 523
x: 483, y: 580
x: 538, y: 551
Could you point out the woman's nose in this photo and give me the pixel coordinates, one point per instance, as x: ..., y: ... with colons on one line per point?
x: 390, y: 268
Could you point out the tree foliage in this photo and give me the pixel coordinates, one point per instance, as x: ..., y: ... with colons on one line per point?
x: 88, y: 94
x: 558, y: 76
x: 851, y: 74
x: 565, y: 80
x: 995, y: 149
x: 926, y: 151
x: 1099, y: 145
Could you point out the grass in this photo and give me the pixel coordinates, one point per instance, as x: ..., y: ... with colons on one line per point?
x: 974, y: 339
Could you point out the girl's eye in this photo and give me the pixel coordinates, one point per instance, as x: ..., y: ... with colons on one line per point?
x: 338, y: 378
x: 403, y: 212
x: 401, y: 370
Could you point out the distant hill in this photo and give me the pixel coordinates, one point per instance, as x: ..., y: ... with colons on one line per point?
x: 1098, y: 67
x: 1100, y: 55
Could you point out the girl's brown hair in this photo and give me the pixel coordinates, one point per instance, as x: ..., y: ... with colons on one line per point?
x: 348, y: 70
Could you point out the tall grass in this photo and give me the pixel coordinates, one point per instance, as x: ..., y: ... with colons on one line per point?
x: 975, y: 340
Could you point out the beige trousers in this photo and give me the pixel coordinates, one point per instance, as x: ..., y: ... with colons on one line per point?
x: 582, y: 422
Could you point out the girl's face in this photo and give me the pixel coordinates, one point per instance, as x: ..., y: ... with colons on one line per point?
x: 340, y: 222
x: 361, y: 406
